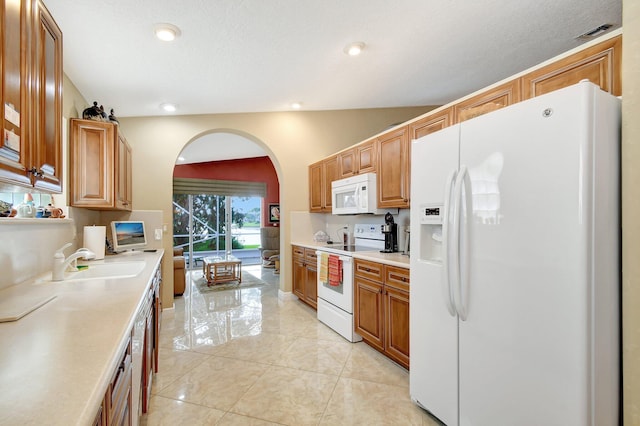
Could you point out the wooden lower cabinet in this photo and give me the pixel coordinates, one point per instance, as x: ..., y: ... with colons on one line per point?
x: 129, y: 390
x: 369, y: 308
x: 305, y: 275
x: 116, y: 405
x: 381, y: 308
x: 396, y: 306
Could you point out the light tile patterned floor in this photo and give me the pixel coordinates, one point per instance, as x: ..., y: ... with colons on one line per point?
x: 243, y: 357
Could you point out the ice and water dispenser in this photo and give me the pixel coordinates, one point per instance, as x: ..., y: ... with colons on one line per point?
x: 431, y: 218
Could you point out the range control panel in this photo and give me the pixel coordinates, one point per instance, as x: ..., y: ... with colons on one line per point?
x: 369, y: 231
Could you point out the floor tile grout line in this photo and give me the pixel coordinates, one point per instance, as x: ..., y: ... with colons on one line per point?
x: 182, y: 375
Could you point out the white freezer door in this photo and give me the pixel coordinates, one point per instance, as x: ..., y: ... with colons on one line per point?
x: 434, y: 331
x: 525, y: 346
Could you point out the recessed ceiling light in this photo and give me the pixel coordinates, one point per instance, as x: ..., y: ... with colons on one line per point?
x: 169, y: 107
x: 296, y: 105
x: 354, y: 49
x: 166, y: 32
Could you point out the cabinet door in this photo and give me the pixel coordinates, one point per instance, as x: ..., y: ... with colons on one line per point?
x: 299, y: 278
x: 91, y: 157
x: 491, y: 100
x: 600, y: 64
x: 123, y: 183
x: 14, y: 96
x: 347, y: 163
x: 366, y: 157
x: 394, y: 169
x: 369, y: 311
x: 315, y: 187
x: 396, y: 341
x: 311, y: 285
x: 330, y: 172
x: 431, y: 123
x: 48, y: 92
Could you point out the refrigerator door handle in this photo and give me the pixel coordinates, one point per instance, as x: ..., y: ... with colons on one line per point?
x: 463, y: 197
x: 455, y: 258
x: 447, y: 289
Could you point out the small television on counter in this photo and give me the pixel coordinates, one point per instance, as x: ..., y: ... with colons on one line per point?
x: 128, y: 235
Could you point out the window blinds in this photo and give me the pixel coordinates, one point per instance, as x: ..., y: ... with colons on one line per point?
x: 219, y: 187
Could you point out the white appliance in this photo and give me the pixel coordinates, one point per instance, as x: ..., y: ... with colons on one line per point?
x: 515, y: 264
x: 335, y: 303
x: 355, y: 195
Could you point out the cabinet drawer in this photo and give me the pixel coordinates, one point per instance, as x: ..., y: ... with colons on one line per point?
x: 310, y: 255
x: 298, y: 251
x: 396, y: 277
x: 369, y: 270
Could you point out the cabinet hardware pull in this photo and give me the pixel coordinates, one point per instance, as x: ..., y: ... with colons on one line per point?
x: 35, y: 172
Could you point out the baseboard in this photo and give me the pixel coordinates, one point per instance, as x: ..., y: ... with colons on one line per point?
x: 286, y: 295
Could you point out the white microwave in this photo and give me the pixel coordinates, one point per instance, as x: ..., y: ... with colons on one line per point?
x: 355, y: 195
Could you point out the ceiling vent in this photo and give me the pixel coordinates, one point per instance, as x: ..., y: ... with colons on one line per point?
x: 595, y: 32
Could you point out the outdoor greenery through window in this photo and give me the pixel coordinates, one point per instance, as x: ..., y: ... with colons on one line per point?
x: 210, y: 225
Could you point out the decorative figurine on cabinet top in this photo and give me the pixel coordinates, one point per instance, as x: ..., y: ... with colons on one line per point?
x: 112, y: 117
x: 92, y: 113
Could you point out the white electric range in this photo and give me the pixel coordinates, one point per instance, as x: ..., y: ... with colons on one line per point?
x: 335, y: 303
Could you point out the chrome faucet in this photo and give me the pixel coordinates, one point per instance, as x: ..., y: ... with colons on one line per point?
x: 60, y: 264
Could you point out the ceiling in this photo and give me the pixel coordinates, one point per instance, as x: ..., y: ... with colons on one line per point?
x: 261, y: 55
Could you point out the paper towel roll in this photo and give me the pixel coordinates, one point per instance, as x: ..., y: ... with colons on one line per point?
x: 94, y: 238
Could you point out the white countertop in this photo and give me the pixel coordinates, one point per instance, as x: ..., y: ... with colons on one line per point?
x: 395, y: 259
x: 56, y: 361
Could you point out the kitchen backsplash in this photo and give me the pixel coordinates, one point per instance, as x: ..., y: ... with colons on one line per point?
x: 27, y: 245
x: 305, y: 224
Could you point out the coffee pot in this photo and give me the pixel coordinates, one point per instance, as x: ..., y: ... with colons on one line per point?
x: 390, y: 231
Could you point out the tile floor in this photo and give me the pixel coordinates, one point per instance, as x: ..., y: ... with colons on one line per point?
x: 243, y: 357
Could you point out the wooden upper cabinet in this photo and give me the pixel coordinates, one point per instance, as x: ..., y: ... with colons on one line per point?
x: 48, y: 94
x: 315, y: 188
x: 321, y: 174
x: 347, y: 163
x: 15, y: 35
x: 31, y: 96
x: 100, y: 171
x: 359, y: 159
x: 330, y: 169
x: 394, y: 169
x: 123, y: 184
x: 600, y: 64
x: 493, y: 99
x: 431, y: 123
x: 91, y: 159
x: 366, y: 156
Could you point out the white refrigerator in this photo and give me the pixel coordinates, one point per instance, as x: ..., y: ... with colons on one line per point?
x: 515, y: 278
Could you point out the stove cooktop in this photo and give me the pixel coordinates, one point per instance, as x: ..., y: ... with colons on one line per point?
x: 351, y: 248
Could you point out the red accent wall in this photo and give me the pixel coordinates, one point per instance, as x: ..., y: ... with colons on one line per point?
x: 258, y: 169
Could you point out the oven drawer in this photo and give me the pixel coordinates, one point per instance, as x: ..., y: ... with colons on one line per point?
x: 338, y: 320
x: 369, y: 270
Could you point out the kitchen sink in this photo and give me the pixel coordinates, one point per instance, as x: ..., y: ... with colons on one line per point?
x: 97, y: 271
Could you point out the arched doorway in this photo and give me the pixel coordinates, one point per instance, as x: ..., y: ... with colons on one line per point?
x: 224, y: 185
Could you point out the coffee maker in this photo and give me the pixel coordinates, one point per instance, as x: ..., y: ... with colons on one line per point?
x: 390, y: 231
